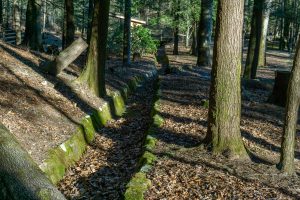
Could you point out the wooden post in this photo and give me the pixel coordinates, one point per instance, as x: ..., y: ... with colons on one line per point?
x: 66, y: 57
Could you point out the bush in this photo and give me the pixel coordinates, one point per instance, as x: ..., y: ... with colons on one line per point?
x: 142, y: 41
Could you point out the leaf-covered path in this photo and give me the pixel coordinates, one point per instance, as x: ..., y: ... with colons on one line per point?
x: 184, y: 170
x: 107, y: 166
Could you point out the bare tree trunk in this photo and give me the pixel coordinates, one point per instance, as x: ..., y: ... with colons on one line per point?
x: 225, y: 94
x: 176, y: 26
x: 252, y: 42
x: 17, y: 23
x: 1, y: 13
x: 90, y: 18
x: 205, y: 32
x: 264, y: 30
x: 33, y: 34
x: 194, y: 41
x: 286, y: 163
x: 69, y: 23
x: 94, y: 72
x: 127, y: 34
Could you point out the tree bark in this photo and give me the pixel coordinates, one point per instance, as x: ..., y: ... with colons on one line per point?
x: 20, y: 177
x: 17, y: 23
x: 252, y: 42
x: 194, y: 40
x: 264, y: 31
x: 94, y: 72
x: 176, y: 26
x: 127, y: 34
x: 205, y: 32
x: 69, y: 22
x: 225, y: 94
x: 90, y: 19
x: 287, y: 157
x: 33, y: 35
x: 66, y: 57
x: 1, y: 14
x: 279, y: 94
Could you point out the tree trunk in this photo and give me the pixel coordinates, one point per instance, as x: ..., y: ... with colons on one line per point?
x: 286, y: 163
x: 205, y: 32
x: 194, y: 40
x: 252, y: 42
x: 20, y: 177
x: 90, y: 18
x: 127, y: 34
x: 264, y: 32
x: 69, y: 20
x: 225, y: 94
x: 176, y: 26
x: 44, y: 14
x: 66, y: 57
x: 33, y: 35
x: 1, y: 14
x: 94, y: 71
x: 17, y: 23
x: 279, y: 94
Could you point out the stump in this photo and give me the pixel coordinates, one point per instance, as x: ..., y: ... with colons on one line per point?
x: 281, y: 84
x: 66, y: 57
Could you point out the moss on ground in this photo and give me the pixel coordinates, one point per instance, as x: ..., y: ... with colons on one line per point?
x: 137, y: 187
x: 119, y: 104
x: 64, y: 156
x: 89, y: 129
x: 102, y: 115
x: 150, y: 142
x: 158, y: 120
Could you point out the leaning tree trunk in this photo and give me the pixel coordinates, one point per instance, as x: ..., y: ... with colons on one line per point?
x: 20, y: 177
x: 225, y: 94
x: 94, y: 71
x: 205, y: 32
x: 66, y: 57
x: 127, y: 34
x: 33, y: 34
x: 69, y: 23
x: 176, y: 26
x: 287, y: 157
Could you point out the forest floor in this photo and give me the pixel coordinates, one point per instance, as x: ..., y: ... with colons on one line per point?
x: 186, y: 171
x: 107, y: 166
x: 43, y: 111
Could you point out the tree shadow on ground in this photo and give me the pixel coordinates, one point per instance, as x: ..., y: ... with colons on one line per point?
x: 225, y: 169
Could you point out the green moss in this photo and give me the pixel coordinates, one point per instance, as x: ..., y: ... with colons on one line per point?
x: 147, y: 159
x: 205, y: 103
x: 44, y: 194
x: 102, y: 115
x: 158, y: 120
x: 89, y: 130
x: 133, y: 83
x: 125, y: 92
x: 64, y: 156
x: 119, y: 104
x: 150, y: 142
x: 137, y: 187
